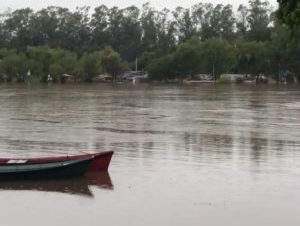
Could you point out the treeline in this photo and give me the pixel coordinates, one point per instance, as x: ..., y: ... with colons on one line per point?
x: 205, y: 38
x: 37, y: 63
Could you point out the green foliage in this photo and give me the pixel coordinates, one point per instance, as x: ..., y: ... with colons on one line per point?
x: 162, y: 68
x: 252, y: 57
x: 286, y: 49
x: 205, y: 38
x: 13, y: 66
x: 289, y: 12
x: 195, y: 57
x: 112, y: 62
x: 259, y: 19
x: 217, y: 55
x: 55, y: 70
x: 45, y: 60
x: 145, y: 59
x: 188, y: 58
x: 184, y: 23
x: 211, y: 21
x: 90, y: 65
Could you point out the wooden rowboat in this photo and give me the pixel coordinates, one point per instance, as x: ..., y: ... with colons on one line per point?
x: 14, y: 170
x: 54, y: 167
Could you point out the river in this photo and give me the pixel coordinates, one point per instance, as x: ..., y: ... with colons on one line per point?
x: 184, y: 155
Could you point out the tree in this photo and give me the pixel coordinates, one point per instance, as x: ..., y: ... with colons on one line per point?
x: 41, y: 55
x: 35, y: 68
x: 158, y: 32
x: 184, y: 24
x: 129, y: 40
x: 68, y: 62
x: 90, y: 66
x: 187, y: 58
x: 227, y: 22
x: 76, y: 29
x: 19, y: 25
x: 214, y: 22
x: 99, y: 25
x: 259, y: 20
x: 242, y: 24
x: 148, y: 24
x: 289, y: 12
x: 166, y: 30
x: 4, y: 33
x: 48, y: 27
x: 213, y: 56
x: 13, y: 65
x: 285, y: 49
x: 112, y: 63
x: 54, y: 61
x: 252, y: 57
x: 162, y: 68
x: 218, y: 56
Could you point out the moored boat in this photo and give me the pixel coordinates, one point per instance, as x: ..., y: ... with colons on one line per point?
x: 21, y: 170
x: 54, y: 167
x: 99, y: 161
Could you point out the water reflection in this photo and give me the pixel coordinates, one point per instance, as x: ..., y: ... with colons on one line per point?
x: 78, y: 186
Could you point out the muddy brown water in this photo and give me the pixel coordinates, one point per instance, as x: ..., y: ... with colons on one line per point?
x: 184, y: 155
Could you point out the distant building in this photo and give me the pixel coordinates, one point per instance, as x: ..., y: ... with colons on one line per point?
x: 66, y: 78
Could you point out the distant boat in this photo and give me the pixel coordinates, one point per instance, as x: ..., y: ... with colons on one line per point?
x: 54, y: 167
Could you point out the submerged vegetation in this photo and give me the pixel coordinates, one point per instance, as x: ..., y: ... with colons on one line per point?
x: 204, y: 39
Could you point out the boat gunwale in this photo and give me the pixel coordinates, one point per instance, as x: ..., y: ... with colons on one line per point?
x: 42, y: 160
x: 28, y: 168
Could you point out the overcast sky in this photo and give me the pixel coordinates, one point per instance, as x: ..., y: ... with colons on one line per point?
x: 71, y: 4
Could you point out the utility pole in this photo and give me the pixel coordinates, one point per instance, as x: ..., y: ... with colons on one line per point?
x: 214, y: 61
x: 213, y: 72
x: 136, y: 64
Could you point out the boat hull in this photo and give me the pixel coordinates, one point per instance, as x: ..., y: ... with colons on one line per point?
x: 99, y: 161
x: 56, y: 170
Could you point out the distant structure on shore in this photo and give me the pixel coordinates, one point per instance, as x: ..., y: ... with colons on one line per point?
x: 283, y: 78
x: 129, y: 76
x: 199, y: 78
x: 135, y: 76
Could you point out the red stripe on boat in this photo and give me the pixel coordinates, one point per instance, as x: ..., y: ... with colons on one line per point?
x: 100, y: 160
